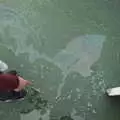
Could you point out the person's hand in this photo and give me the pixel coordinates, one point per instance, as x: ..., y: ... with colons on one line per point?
x: 22, y: 83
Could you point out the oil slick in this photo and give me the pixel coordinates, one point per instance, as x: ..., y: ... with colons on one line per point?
x: 80, y: 53
x: 78, y: 56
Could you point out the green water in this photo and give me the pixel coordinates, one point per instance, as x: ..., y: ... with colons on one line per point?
x: 70, y: 48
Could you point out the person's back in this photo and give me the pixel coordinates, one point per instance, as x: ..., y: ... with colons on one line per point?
x: 8, y: 82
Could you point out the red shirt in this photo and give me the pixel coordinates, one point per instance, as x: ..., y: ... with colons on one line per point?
x: 8, y: 82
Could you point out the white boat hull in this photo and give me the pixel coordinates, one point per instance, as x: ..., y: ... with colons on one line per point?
x: 113, y: 91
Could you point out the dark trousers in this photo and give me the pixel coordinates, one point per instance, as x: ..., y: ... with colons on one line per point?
x: 12, y: 95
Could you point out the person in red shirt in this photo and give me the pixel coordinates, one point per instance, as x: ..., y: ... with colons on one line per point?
x: 12, y: 86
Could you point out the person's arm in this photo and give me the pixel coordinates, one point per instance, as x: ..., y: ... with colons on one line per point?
x: 22, y: 84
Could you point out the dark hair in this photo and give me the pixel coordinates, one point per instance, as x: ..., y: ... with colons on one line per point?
x: 1, y: 72
x: 13, y: 72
